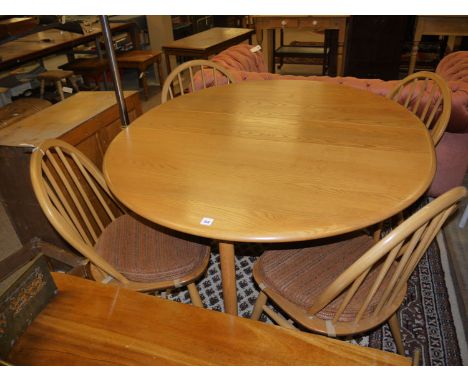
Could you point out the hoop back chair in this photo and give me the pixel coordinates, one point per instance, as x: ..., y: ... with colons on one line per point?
x: 349, y: 285
x: 76, y: 200
x: 428, y: 96
x: 192, y: 76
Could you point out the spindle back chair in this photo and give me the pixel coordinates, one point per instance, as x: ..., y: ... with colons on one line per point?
x: 120, y: 248
x: 192, y: 76
x: 427, y: 95
x: 350, y: 285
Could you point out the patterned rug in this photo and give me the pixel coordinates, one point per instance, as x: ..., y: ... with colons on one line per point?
x: 425, y: 316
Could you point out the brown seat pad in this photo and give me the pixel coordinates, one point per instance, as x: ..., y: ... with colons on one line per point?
x: 302, y: 274
x: 145, y: 254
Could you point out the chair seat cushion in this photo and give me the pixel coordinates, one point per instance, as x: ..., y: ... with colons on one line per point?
x: 301, y: 274
x: 145, y: 254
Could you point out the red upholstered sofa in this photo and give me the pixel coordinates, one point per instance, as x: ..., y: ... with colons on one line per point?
x: 451, y: 151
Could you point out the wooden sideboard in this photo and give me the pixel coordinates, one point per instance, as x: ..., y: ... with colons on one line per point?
x: 88, y: 323
x: 88, y: 120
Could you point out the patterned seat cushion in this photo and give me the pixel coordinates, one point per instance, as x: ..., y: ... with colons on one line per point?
x: 145, y: 254
x: 301, y: 274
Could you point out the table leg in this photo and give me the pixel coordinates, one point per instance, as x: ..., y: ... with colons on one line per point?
x: 414, y: 53
x: 168, y: 63
x: 259, y: 34
x: 271, y: 49
x: 340, y: 57
x: 228, y: 275
x: 159, y: 72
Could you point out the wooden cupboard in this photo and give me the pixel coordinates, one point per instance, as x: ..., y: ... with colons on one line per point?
x: 88, y: 120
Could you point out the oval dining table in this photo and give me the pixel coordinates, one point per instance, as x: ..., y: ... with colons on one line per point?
x: 270, y: 161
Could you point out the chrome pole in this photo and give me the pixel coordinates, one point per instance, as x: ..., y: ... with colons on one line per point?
x: 106, y: 32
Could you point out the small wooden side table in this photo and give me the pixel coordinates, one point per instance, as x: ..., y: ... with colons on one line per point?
x: 206, y: 43
x: 315, y: 23
x: 141, y: 60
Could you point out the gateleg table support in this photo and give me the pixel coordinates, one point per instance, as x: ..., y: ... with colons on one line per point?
x: 228, y: 274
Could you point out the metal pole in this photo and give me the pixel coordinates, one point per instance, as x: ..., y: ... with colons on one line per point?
x: 106, y: 32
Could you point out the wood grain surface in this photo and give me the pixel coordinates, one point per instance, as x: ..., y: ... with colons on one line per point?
x: 59, y: 119
x: 89, y: 323
x: 271, y: 161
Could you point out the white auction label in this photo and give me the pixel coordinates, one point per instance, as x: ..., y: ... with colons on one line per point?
x: 207, y: 221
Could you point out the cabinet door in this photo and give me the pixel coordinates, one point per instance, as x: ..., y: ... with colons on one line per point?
x: 374, y: 46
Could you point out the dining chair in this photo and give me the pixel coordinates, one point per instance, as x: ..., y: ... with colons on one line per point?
x: 192, y: 76
x: 120, y: 248
x: 428, y: 96
x: 348, y: 285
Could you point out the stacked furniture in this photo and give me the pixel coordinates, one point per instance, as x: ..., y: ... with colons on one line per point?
x: 451, y: 151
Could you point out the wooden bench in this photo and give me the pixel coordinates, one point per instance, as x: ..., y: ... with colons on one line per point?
x: 88, y: 323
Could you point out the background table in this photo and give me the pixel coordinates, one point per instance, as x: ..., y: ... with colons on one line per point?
x: 49, y: 41
x: 206, y: 43
x: 88, y: 323
x: 270, y: 161
x: 451, y: 26
x: 315, y: 23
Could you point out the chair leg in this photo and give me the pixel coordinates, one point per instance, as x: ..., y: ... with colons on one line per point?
x: 159, y: 72
x: 194, y: 295
x: 416, y: 357
x: 378, y: 232
x: 400, y: 218
x: 58, y: 85
x: 74, y: 84
x: 258, y: 308
x: 42, y: 88
x: 396, y: 333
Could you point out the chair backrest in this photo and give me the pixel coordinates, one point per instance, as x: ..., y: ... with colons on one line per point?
x: 74, y: 197
x: 192, y: 76
x: 428, y: 96
x: 388, y: 264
